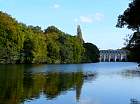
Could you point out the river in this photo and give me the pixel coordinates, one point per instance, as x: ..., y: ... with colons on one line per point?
x: 112, y: 83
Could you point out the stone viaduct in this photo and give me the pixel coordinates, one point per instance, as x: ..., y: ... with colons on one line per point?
x: 113, y: 55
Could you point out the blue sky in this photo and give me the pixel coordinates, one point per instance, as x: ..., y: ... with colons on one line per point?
x: 96, y: 17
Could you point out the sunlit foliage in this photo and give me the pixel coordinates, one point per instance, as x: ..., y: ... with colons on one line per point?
x: 20, y: 43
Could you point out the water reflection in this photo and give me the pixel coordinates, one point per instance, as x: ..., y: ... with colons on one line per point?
x: 134, y: 101
x: 131, y: 73
x: 70, y: 84
x: 19, y: 83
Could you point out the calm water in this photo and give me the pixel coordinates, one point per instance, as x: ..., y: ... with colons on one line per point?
x: 112, y: 83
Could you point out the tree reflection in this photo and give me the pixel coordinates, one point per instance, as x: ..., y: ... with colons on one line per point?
x: 131, y: 73
x: 11, y: 84
x: 17, y: 84
x: 134, y: 101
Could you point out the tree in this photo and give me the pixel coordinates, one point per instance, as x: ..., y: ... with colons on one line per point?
x: 131, y: 16
x: 20, y: 43
x: 10, y: 39
x: 28, y: 51
x: 35, y: 29
x: 134, y: 47
x: 62, y: 47
x: 91, y: 53
x: 79, y: 34
x: 131, y: 19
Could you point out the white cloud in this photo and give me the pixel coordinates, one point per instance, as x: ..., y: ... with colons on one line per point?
x: 56, y: 6
x: 99, y: 16
x: 86, y: 19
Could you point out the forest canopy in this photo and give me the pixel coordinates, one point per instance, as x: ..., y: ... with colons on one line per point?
x: 20, y: 43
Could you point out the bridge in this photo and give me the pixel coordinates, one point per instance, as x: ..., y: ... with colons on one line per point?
x: 113, y: 55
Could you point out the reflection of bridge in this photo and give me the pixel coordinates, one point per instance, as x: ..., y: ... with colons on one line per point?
x: 113, y: 55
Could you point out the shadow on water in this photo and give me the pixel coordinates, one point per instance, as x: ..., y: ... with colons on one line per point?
x: 18, y: 83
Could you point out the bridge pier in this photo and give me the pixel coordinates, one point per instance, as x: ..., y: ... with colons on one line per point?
x: 104, y: 58
x: 109, y: 58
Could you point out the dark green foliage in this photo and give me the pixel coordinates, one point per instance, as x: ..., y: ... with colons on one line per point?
x: 28, y: 44
x: 28, y: 51
x: 9, y: 39
x: 19, y: 43
x: 35, y: 29
x: 91, y: 53
x: 134, y: 47
x: 131, y: 18
x: 62, y: 47
x: 53, y: 29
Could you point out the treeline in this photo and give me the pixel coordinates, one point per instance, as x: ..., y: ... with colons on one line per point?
x: 131, y: 19
x: 20, y: 43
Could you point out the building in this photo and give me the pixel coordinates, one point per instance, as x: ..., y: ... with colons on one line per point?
x: 113, y: 55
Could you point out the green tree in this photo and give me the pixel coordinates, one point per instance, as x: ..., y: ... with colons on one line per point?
x: 20, y: 43
x: 10, y: 39
x: 79, y: 34
x: 131, y: 16
x: 91, y: 53
x: 131, y: 19
x: 35, y: 29
x: 62, y: 47
x: 28, y: 51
